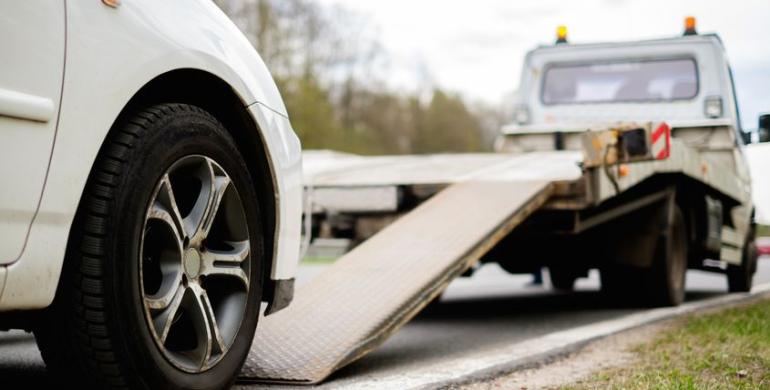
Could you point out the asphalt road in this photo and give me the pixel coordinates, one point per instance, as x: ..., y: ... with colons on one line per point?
x: 473, y: 315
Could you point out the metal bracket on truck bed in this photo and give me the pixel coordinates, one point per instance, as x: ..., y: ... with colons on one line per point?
x: 627, y: 143
x: 368, y: 294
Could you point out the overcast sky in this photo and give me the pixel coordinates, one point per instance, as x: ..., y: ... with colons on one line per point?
x: 476, y: 47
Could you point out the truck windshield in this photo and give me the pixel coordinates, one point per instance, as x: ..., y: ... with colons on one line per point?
x: 627, y: 81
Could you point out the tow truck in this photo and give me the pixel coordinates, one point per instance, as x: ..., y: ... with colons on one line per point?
x: 624, y: 157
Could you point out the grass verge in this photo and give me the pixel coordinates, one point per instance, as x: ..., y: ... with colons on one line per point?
x: 317, y: 260
x: 763, y: 231
x: 725, y: 350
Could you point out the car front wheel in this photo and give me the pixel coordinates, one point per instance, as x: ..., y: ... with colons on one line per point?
x: 162, y: 280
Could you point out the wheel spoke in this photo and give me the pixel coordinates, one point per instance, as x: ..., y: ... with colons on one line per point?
x: 163, y: 302
x: 227, y: 262
x: 194, y: 219
x: 206, y: 326
x: 166, y: 260
x: 166, y: 197
x: 221, y: 184
x: 214, y: 185
x: 165, y: 319
x: 161, y: 213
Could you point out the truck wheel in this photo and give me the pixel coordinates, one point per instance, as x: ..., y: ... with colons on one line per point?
x: 562, y: 278
x: 162, y: 281
x: 740, y: 278
x: 666, y: 278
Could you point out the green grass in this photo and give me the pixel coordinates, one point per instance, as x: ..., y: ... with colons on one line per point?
x: 763, y: 231
x: 725, y: 350
x: 317, y: 260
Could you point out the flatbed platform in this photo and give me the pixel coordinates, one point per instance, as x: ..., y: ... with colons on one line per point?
x: 334, y: 169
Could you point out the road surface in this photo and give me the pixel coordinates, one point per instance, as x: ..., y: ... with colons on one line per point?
x: 473, y: 315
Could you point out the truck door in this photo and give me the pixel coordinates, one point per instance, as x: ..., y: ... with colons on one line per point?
x: 32, y: 40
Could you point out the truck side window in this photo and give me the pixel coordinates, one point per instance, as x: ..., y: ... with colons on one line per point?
x: 739, y: 126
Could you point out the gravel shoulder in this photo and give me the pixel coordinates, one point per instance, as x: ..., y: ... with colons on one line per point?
x: 711, y: 349
x: 610, y: 352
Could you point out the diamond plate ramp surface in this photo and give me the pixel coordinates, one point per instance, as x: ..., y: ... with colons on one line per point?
x: 357, y: 303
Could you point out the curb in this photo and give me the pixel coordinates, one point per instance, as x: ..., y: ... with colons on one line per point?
x: 516, y: 356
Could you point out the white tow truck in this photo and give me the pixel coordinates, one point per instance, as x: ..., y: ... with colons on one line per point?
x: 625, y: 157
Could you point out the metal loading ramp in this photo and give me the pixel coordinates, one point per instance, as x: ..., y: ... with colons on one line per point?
x: 371, y: 292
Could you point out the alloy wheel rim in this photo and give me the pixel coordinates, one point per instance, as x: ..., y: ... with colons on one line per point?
x: 194, y: 265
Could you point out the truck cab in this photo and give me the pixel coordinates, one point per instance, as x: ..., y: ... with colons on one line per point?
x: 684, y: 81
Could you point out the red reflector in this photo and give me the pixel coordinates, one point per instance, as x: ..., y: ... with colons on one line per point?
x: 661, y: 142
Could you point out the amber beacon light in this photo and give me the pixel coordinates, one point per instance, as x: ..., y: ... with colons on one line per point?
x: 561, y: 34
x: 689, y: 26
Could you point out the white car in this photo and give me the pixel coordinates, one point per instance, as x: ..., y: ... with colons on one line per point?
x: 151, y: 195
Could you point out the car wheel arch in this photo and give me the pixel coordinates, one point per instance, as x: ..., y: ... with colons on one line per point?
x: 216, y: 96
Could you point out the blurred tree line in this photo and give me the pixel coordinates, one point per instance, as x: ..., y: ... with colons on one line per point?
x: 324, y: 61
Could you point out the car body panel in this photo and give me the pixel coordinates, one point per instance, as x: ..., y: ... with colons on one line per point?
x: 3, y: 274
x: 111, y: 54
x: 30, y: 93
x: 286, y: 159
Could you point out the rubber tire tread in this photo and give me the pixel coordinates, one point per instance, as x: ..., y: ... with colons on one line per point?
x: 93, y: 351
x: 740, y: 278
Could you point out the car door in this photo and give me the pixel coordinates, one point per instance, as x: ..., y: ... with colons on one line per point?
x: 32, y: 44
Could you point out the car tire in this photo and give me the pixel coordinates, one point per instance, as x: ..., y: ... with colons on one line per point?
x: 162, y: 280
x: 740, y: 278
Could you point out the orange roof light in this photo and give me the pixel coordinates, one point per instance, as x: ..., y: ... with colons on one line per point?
x: 689, y: 26
x: 561, y: 34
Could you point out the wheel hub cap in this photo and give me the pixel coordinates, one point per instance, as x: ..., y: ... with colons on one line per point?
x: 192, y: 263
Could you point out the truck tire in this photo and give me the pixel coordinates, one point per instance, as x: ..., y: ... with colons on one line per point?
x: 665, y: 281
x: 740, y: 278
x: 162, y: 280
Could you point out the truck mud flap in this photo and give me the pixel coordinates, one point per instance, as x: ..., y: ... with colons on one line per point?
x: 367, y: 295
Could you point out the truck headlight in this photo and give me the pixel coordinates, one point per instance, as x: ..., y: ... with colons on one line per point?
x: 521, y: 115
x: 713, y: 107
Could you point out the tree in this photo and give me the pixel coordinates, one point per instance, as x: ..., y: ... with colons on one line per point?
x: 318, y: 55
